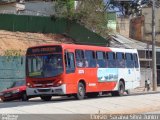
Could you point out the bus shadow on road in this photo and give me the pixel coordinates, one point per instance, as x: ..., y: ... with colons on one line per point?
x: 38, y: 101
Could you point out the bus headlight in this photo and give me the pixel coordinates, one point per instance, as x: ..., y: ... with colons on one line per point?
x: 29, y: 85
x: 58, y: 83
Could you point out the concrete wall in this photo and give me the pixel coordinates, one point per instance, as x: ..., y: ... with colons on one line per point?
x: 146, y: 74
x: 123, y: 26
x: 12, y: 69
x: 136, y: 28
x: 147, y: 12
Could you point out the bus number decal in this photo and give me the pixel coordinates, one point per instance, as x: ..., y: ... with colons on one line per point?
x: 81, y: 71
x: 92, y: 84
x: 129, y: 71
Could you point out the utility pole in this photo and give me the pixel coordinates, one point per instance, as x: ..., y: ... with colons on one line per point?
x: 154, y: 65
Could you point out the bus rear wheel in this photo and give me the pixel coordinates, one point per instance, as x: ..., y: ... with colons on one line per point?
x: 46, y: 98
x: 81, y: 91
x: 121, y: 90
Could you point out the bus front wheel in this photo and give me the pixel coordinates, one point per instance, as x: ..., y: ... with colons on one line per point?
x: 81, y: 91
x: 121, y: 90
x: 24, y: 97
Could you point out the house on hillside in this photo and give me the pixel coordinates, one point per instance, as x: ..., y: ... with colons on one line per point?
x: 37, y: 8
x: 2, y: 2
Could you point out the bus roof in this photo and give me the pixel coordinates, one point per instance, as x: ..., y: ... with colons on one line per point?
x: 88, y: 47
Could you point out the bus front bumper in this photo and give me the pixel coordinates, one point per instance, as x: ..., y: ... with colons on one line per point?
x: 60, y: 90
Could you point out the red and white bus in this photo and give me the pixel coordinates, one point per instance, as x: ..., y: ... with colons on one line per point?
x: 80, y: 70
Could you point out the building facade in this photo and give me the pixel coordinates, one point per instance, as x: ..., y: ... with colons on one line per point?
x: 141, y: 27
x: 36, y: 8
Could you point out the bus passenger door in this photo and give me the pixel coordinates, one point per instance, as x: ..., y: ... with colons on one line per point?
x: 69, y: 77
x: 136, y: 82
x: 69, y: 62
x: 130, y: 72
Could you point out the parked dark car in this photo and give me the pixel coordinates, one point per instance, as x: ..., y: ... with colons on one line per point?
x: 17, y: 91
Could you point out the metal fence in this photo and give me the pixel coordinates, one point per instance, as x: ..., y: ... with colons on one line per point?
x: 50, y: 24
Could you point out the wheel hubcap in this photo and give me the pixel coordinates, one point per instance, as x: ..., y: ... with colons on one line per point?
x: 80, y: 91
x: 121, y: 89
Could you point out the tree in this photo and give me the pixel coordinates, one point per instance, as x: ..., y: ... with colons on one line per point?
x: 90, y: 13
x: 64, y: 8
x: 132, y: 7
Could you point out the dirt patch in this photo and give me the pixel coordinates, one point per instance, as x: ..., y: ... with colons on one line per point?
x: 20, y: 41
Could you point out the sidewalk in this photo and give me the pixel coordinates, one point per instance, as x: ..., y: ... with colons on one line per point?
x: 143, y: 90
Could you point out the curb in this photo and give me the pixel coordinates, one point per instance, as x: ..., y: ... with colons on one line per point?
x: 144, y: 93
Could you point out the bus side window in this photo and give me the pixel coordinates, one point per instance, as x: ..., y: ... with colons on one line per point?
x: 101, y: 62
x: 69, y: 62
x: 129, y: 60
x: 111, y: 59
x: 135, y: 58
x: 120, y: 60
x: 90, y: 59
x: 80, y: 58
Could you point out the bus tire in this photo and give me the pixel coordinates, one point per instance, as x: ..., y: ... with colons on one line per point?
x: 121, y: 90
x: 24, y: 97
x: 92, y: 95
x: 81, y: 91
x: 46, y: 98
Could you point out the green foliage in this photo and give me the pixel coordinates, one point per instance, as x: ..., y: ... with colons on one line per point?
x: 90, y: 13
x: 133, y: 7
x: 64, y: 8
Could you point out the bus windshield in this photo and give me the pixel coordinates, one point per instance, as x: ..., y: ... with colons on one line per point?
x: 43, y: 66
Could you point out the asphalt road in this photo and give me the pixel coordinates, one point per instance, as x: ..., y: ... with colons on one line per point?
x: 63, y: 105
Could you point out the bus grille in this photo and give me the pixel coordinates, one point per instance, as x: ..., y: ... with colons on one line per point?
x: 44, y: 90
x: 42, y: 82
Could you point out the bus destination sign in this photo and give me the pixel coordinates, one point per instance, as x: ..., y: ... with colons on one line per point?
x: 44, y: 50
